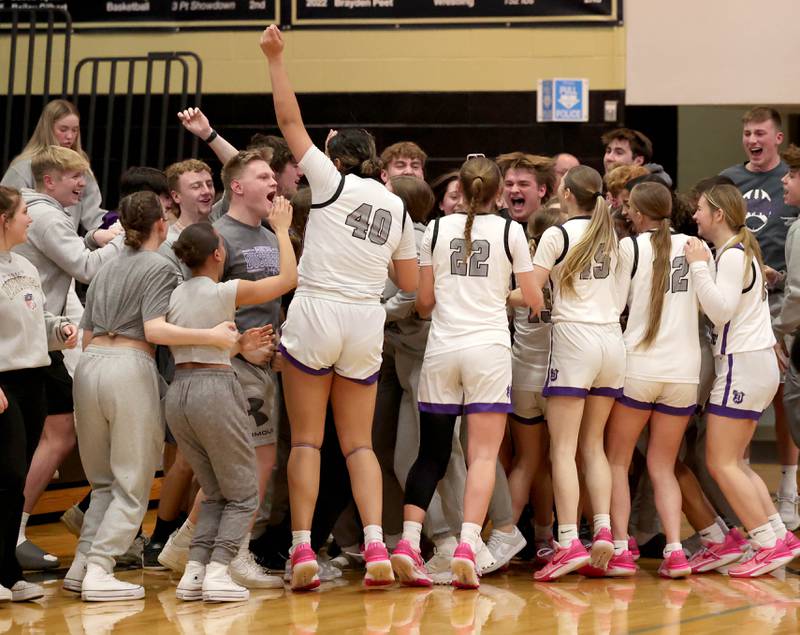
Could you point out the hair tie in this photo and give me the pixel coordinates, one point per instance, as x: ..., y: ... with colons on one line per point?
x: 598, y: 195
x: 740, y: 227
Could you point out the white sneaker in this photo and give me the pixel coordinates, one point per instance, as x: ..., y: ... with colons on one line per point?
x: 350, y: 558
x: 219, y: 587
x: 484, y: 560
x: 787, y: 508
x: 73, y: 519
x: 438, y: 566
x: 23, y: 591
x: 101, y: 586
x: 244, y: 570
x: 5, y: 594
x: 503, y: 547
x: 327, y: 571
x: 77, y: 572
x: 175, y: 553
x: 190, y: 587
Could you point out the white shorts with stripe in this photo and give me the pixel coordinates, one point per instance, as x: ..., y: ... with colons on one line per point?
x: 528, y: 406
x: 745, y: 384
x: 667, y: 398
x: 466, y: 381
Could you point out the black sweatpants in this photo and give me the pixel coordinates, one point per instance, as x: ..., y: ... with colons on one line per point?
x: 20, y: 428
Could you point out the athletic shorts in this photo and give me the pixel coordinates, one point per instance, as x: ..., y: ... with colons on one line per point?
x: 528, y: 406
x: 57, y: 386
x: 467, y: 381
x: 585, y: 359
x: 527, y: 375
x: 745, y: 384
x: 322, y: 336
x: 261, y: 393
x: 664, y: 397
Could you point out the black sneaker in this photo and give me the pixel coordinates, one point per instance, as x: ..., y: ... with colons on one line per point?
x: 150, y: 556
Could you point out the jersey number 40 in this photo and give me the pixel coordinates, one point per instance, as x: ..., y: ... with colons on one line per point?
x: 366, y: 224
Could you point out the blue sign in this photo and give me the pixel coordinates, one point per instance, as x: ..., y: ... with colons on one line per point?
x: 562, y: 99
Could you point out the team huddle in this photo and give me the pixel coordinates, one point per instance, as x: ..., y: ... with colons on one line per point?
x: 540, y: 325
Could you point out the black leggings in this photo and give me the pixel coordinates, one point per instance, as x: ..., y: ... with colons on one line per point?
x: 435, y: 443
x: 20, y: 428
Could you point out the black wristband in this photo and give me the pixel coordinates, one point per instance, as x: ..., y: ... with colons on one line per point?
x: 212, y: 136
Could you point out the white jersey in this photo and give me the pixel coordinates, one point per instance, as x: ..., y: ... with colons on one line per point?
x: 674, y: 354
x: 736, y: 303
x: 531, y: 348
x: 471, y: 290
x: 595, y: 299
x: 355, y: 227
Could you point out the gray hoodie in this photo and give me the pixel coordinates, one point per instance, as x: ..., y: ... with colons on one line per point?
x: 57, y: 251
x: 789, y: 319
x: 87, y: 213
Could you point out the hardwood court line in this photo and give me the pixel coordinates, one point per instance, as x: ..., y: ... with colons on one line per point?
x: 689, y: 620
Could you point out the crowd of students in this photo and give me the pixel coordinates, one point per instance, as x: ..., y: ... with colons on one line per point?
x: 489, y: 347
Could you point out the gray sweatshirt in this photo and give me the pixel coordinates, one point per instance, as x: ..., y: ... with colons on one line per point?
x: 789, y: 319
x: 57, y: 251
x: 27, y: 331
x: 87, y: 213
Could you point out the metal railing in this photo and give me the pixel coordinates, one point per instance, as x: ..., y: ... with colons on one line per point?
x: 25, y: 26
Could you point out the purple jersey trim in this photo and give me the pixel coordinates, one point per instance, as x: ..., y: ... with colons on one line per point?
x: 677, y: 411
x: 605, y: 391
x: 733, y: 413
x: 441, y: 408
x: 564, y: 391
x: 475, y: 408
x: 724, y: 338
x: 300, y: 365
x: 728, y: 381
x: 367, y: 381
x: 527, y: 421
x: 635, y: 403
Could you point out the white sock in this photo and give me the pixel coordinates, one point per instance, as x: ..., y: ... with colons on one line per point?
x: 373, y: 533
x: 542, y: 533
x: 777, y: 526
x: 601, y: 521
x: 788, y: 484
x: 722, y: 524
x: 620, y: 546
x: 566, y: 534
x: 672, y: 546
x: 712, y: 533
x: 471, y: 534
x: 764, y: 536
x: 412, y: 532
x: 300, y: 537
x: 21, y: 537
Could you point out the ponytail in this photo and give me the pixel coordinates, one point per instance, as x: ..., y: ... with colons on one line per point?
x: 480, y: 182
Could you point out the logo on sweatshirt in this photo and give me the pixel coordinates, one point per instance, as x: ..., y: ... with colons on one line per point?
x: 30, y: 301
x: 759, y: 209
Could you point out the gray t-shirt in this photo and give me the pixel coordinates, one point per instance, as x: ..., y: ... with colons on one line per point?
x: 166, y: 250
x: 768, y: 217
x: 252, y: 254
x: 127, y: 292
x: 201, y: 303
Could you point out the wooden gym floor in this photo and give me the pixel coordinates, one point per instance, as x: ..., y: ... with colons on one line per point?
x: 506, y: 603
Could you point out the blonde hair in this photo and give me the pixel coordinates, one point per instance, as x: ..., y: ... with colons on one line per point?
x: 655, y: 201
x: 56, y: 159
x: 728, y: 199
x: 235, y: 166
x: 600, y: 239
x: 174, y: 171
x: 43, y: 135
x: 480, y: 182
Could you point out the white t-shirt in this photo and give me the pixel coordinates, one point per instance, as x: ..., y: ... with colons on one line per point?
x: 595, y: 300
x: 736, y: 303
x: 674, y: 354
x: 355, y: 227
x: 471, y: 292
x: 201, y: 303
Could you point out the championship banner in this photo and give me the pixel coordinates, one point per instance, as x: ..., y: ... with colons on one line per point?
x: 319, y: 13
x: 122, y: 11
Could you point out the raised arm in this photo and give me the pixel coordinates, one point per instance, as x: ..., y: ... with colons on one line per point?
x: 197, y: 123
x: 287, y: 110
x: 266, y: 289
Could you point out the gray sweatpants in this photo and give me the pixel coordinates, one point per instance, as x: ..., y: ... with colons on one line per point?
x: 120, y: 437
x: 207, y: 412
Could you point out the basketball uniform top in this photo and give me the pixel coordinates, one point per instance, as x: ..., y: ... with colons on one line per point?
x: 674, y: 355
x: 595, y: 300
x: 355, y: 227
x: 736, y: 305
x: 532, y: 335
x: 471, y: 291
